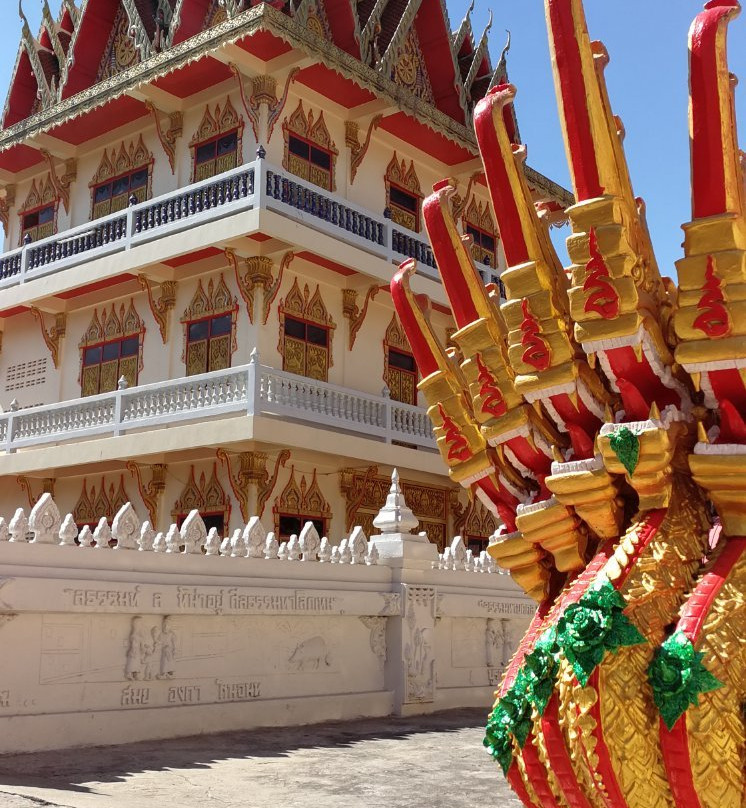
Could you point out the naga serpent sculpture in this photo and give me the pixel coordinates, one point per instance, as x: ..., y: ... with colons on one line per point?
x: 600, y: 412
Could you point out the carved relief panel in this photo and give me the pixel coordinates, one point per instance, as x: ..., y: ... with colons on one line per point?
x: 479, y: 224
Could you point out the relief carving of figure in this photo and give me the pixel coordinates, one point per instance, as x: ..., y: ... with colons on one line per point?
x: 167, y: 640
x: 310, y: 654
x: 495, y: 643
x: 139, y: 646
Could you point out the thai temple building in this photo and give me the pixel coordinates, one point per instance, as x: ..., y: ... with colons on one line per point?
x: 204, y: 202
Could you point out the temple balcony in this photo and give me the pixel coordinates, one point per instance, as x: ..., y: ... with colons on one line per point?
x: 257, y: 197
x: 252, y: 402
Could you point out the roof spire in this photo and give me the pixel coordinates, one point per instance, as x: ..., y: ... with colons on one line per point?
x: 500, y: 76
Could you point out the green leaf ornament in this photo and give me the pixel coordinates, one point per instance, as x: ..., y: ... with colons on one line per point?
x: 626, y: 446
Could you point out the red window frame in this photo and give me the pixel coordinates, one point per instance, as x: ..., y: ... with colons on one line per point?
x: 130, y: 190
x: 52, y: 206
x: 214, y: 141
x: 311, y: 145
x: 418, y: 204
x: 283, y: 536
x: 414, y: 373
x: 118, y: 341
x: 208, y: 319
x: 472, y: 230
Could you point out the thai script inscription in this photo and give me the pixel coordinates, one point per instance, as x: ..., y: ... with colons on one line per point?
x: 184, y: 694
x: 105, y: 597
x: 500, y: 607
x: 135, y: 696
x: 234, y: 600
x: 4, y: 698
x: 238, y: 691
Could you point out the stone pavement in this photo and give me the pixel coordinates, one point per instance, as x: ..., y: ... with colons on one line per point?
x: 435, y: 761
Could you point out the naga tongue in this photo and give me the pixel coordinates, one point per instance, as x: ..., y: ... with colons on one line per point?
x: 732, y: 425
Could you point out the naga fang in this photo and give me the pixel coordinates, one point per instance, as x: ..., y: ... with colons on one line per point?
x: 600, y: 411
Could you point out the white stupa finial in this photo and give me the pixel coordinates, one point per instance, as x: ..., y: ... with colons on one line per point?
x: 395, y: 516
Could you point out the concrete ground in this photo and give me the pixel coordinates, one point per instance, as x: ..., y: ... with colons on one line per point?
x: 434, y: 761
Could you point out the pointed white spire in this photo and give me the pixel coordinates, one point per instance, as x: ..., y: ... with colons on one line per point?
x: 395, y: 516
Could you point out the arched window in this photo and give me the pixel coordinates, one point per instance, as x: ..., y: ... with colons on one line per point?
x: 478, y: 224
x: 206, y: 496
x: 298, y: 504
x: 39, y: 212
x: 216, y: 145
x: 111, y: 348
x: 310, y: 152
x: 399, y: 368
x: 403, y: 194
x: 306, y: 331
x: 123, y: 173
x: 209, y: 328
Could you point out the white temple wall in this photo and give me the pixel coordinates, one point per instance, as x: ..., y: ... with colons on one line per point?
x: 109, y: 644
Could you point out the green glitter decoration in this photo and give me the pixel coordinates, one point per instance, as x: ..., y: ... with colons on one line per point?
x: 593, y: 626
x: 540, y: 671
x: 626, y: 446
x: 678, y: 677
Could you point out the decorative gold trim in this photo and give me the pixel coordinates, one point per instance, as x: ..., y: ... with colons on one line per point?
x: 274, y: 111
x: 271, y: 293
x: 207, y: 497
x: 168, y: 138
x: 251, y: 106
x: 314, y: 131
x: 310, y: 308
x: 212, y: 126
x: 258, y: 273
x: 301, y: 500
x: 6, y: 203
x: 47, y: 487
x: 150, y: 492
x: 52, y: 336
x: 354, y: 489
x: 161, y: 307
x: 216, y: 301
x: 459, y: 203
x: 352, y: 141
x: 61, y: 184
x: 266, y: 487
x: 353, y: 313
x: 113, y: 327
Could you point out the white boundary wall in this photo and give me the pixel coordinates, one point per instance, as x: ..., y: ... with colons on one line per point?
x: 130, y: 636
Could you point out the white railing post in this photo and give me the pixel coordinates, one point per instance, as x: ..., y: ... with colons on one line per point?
x: 118, y: 411
x: 387, y: 414
x: 260, y: 178
x: 253, y: 383
x: 9, y: 434
x: 130, y: 227
x: 24, y: 263
x: 388, y: 239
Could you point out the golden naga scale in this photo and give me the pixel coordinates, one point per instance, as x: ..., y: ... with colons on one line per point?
x: 600, y: 412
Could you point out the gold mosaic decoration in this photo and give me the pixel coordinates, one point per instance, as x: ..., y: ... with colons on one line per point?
x: 120, y: 52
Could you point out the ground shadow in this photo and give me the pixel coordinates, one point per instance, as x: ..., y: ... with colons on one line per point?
x: 70, y: 769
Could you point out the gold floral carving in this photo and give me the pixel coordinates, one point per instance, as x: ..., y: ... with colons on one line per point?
x: 357, y: 149
x: 405, y: 178
x: 314, y: 131
x: 216, y: 301
x: 258, y: 273
x: 170, y: 136
x: 393, y: 338
x: 7, y: 200
x: 264, y: 91
x: 122, y: 160
x: 459, y: 202
x: 54, y: 334
x: 61, y: 184
x: 42, y: 194
x: 150, y: 492
x: 47, y: 487
x: 301, y: 500
x: 252, y: 470
x: 206, y: 496
x: 354, y: 313
x: 354, y: 488
x: 91, y: 506
x: 270, y: 292
x: 212, y: 125
x: 162, y: 306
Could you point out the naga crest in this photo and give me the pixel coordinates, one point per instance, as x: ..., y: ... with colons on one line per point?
x: 600, y: 411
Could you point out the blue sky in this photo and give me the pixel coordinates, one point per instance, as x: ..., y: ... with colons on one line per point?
x: 647, y: 41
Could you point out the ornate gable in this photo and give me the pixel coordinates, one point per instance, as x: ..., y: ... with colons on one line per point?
x: 218, y: 123
x: 479, y: 215
x: 94, y: 504
x: 122, y: 161
x: 405, y: 207
x: 398, y: 174
x: 206, y: 496
x: 39, y: 195
x: 120, y: 52
x: 301, y: 500
x: 395, y: 336
x: 410, y: 69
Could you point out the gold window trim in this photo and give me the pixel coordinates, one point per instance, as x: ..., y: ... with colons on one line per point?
x: 311, y: 309
x: 217, y: 301
x: 396, y: 338
x: 91, y: 506
x: 205, y: 496
x: 120, y: 162
x: 40, y: 196
x: 478, y: 215
x: 479, y: 523
x: 406, y: 179
x: 110, y: 327
x: 301, y: 500
x: 214, y: 125
x: 315, y: 132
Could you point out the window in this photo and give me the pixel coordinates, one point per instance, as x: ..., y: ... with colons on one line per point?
x: 114, y: 195
x: 306, y: 349
x: 405, y: 208
x: 292, y: 525
x: 310, y: 152
x: 402, y: 376
x: 209, y: 344
x: 310, y: 162
x: 403, y: 193
x: 484, y: 247
x: 38, y: 223
x: 104, y: 364
x: 216, y: 155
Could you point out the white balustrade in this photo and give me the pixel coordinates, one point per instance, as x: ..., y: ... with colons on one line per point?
x: 256, y: 185
x: 251, y: 389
